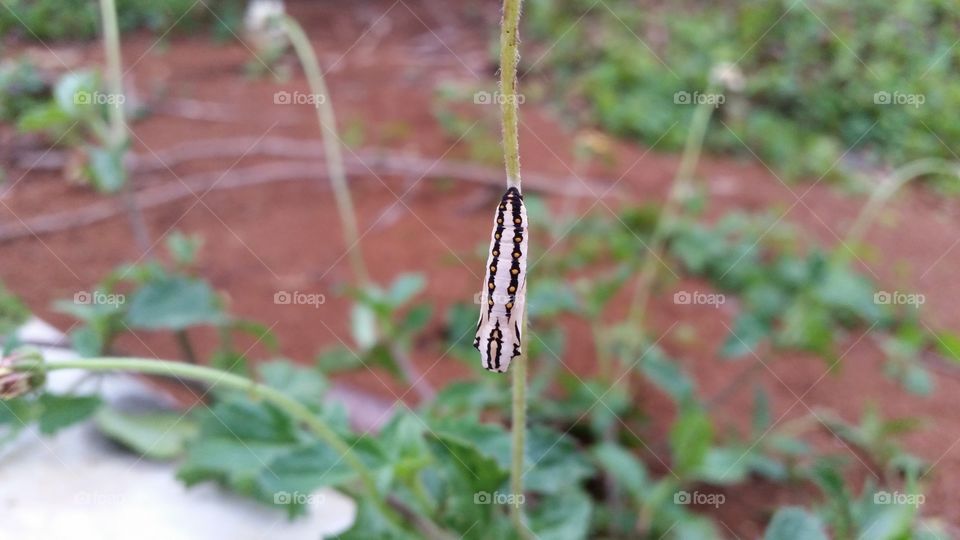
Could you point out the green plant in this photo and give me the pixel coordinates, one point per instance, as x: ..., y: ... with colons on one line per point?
x: 809, y: 80
x: 78, y: 19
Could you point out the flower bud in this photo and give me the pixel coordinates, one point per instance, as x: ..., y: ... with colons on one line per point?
x: 15, y: 383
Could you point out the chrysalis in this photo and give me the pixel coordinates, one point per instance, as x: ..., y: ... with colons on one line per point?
x: 505, y: 287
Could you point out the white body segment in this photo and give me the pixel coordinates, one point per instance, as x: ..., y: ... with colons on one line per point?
x: 504, y: 289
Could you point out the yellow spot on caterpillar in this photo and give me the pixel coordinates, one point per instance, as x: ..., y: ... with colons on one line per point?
x: 496, y: 252
x: 515, y: 271
x: 493, y: 268
x: 512, y: 289
x: 491, y: 286
x: 509, y: 305
x: 497, y: 236
x: 500, y: 221
x: 517, y: 239
x: 516, y: 254
x: 518, y: 221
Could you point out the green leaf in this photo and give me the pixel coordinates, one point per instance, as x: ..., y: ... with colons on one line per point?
x: 793, y: 523
x: 305, y: 385
x: 666, y: 374
x: 748, y: 331
x: 623, y: 467
x: 553, y: 461
x: 48, y: 118
x: 363, y: 324
x: 415, y: 320
x: 690, y: 439
x: 404, y: 288
x: 948, y: 344
x: 60, y: 411
x: 174, y: 303
x: 106, y: 169
x: 157, y: 435
x: 184, y: 248
x: 564, y: 516
x: 74, y: 91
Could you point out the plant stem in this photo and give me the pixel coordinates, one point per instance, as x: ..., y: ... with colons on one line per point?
x: 116, y: 136
x: 682, y: 186
x: 183, y: 340
x: 215, y: 377
x: 885, y: 191
x: 509, y: 57
x: 331, y: 145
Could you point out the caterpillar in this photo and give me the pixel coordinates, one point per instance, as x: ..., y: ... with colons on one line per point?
x: 499, y: 338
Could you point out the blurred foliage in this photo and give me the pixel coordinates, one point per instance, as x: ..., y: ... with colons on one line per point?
x: 12, y: 312
x: 811, y: 78
x: 80, y: 19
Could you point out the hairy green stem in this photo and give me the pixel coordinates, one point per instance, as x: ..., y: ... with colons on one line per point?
x: 681, y: 188
x: 331, y: 145
x: 116, y: 134
x: 215, y: 377
x: 888, y: 187
x: 509, y: 57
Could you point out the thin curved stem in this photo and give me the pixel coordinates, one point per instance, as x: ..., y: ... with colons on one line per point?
x: 681, y: 187
x: 896, y: 180
x: 331, y: 145
x: 115, y: 135
x: 215, y: 377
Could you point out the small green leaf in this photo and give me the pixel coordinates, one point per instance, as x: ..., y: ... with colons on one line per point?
x: 60, y: 411
x: 303, y: 384
x: 364, y: 326
x: 157, y: 435
x: 564, y: 516
x: 174, y: 303
x: 623, y: 467
x: 793, y: 523
x: 690, y: 439
x: 404, y: 288
x: 106, y: 169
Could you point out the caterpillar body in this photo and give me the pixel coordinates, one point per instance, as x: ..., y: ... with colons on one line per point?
x: 499, y: 338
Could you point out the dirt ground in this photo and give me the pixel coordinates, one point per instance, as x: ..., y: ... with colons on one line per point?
x: 384, y: 61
